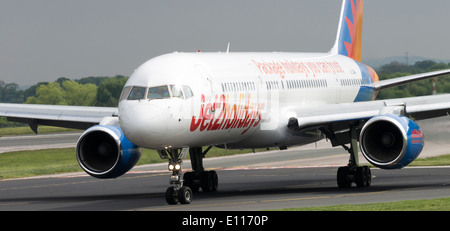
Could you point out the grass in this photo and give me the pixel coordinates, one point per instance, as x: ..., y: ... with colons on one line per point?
x: 441, y: 204
x: 432, y: 161
x: 13, y: 131
x: 39, y: 162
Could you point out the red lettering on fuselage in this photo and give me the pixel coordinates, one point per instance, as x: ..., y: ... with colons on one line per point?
x: 222, y: 115
x: 285, y: 67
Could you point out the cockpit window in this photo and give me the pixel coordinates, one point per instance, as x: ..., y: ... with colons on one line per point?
x: 137, y: 93
x: 176, y: 91
x: 187, y: 92
x: 125, y: 93
x: 160, y: 92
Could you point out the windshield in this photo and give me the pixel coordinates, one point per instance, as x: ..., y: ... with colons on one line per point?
x: 137, y: 93
x: 176, y: 91
x: 187, y: 92
x: 158, y: 92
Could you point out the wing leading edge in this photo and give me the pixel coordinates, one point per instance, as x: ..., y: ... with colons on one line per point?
x: 423, y: 107
x: 383, y: 84
x: 78, y: 117
x: 336, y: 121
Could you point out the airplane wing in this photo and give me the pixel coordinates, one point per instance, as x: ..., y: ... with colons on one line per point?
x: 78, y: 117
x: 382, y: 84
x: 422, y: 107
x: 417, y: 108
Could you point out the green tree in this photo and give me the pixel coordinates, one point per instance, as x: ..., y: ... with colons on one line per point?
x: 31, y: 91
x: 92, y: 79
x: 10, y: 93
x: 394, y: 67
x: 420, y: 88
x: 424, y: 65
x: 109, y: 91
x: 79, y: 94
x: 51, y: 93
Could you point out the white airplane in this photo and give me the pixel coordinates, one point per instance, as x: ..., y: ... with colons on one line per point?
x: 180, y: 102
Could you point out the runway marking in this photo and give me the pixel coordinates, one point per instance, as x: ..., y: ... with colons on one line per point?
x: 13, y: 203
x: 199, y: 206
x: 264, y: 201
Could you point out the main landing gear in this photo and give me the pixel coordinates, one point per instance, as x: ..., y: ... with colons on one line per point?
x: 199, y: 178
x: 181, y: 189
x: 353, y: 173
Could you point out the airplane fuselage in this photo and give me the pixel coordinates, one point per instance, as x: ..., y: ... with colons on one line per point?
x: 235, y: 100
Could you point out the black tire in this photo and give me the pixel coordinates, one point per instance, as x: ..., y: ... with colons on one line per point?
x: 189, y: 180
x: 185, y: 195
x: 368, y: 176
x: 171, y: 196
x: 342, y: 177
x: 215, y: 181
x: 206, y: 181
x: 361, y: 177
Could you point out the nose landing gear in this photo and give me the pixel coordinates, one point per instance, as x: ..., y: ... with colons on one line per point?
x: 177, y: 193
x: 182, y: 188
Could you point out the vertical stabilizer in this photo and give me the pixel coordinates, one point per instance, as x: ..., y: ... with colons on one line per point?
x: 349, y: 35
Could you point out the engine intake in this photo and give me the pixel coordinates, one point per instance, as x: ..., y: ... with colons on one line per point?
x: 105, y: 152
x: 391, y: 142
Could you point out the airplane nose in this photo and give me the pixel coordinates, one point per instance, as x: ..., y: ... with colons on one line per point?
x: 143, y: 122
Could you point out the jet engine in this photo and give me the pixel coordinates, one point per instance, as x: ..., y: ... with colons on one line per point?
x: 391, y: 142
x: 105, y: 152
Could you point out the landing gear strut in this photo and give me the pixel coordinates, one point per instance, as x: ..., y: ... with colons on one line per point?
x: 353, y: 173
x: 177, y: 192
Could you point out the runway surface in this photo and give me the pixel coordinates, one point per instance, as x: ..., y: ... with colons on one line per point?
x: 41, y: 141
x: 239, y: 190
x: 297, y: 177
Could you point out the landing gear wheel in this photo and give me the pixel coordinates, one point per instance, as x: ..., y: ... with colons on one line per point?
x: 206, y: 181
x: 189, y: 180
x: 209, y: 181
x: 369, y: 176
x: 171, y: 196
x: 215, y: 181
x: 343, y: 180
x: 363, y: 177
x: 360, y: 177
x: 185, y: 195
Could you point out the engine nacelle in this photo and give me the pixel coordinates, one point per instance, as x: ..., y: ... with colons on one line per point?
x: 105, y: 152
x: 391, y: 142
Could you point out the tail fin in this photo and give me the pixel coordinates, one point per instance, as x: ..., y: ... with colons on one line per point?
x: 349, y: 36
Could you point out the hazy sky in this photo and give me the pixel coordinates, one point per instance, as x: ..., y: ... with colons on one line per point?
x: 42, y: 40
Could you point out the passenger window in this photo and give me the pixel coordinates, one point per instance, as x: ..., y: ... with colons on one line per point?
x: 137, y: 93
x: 160, y: 92
x: 176, y: 91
